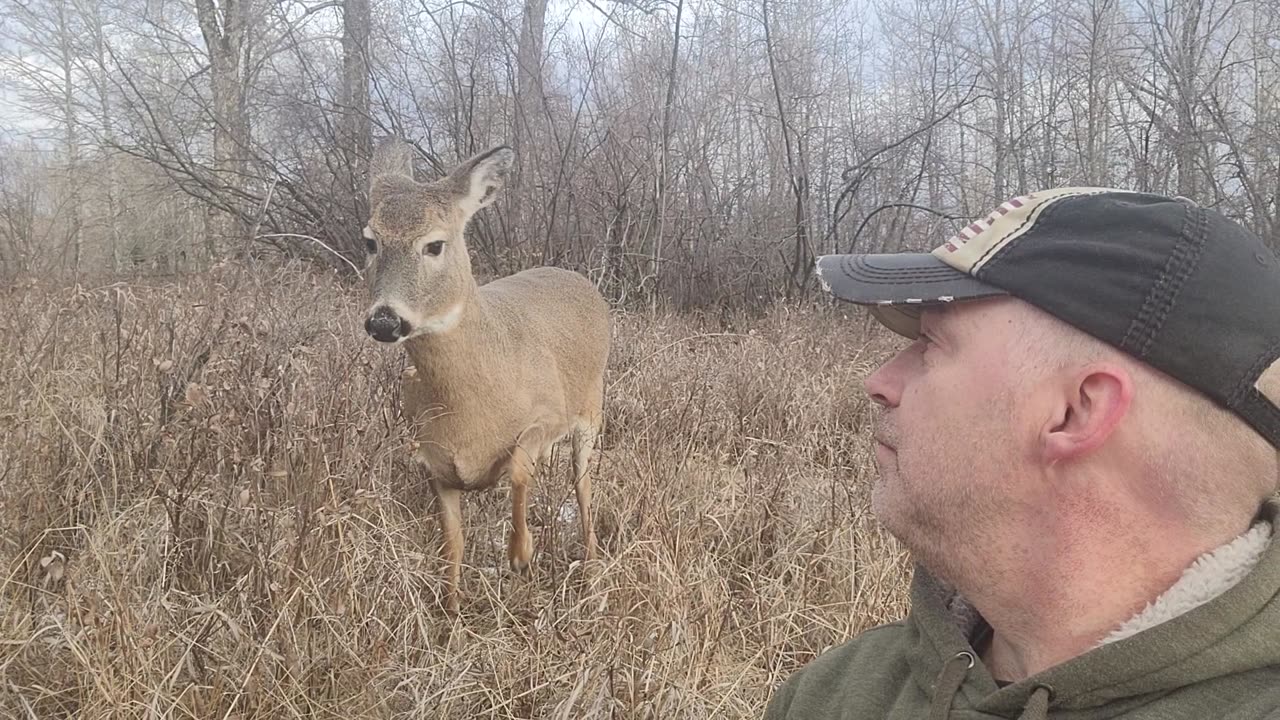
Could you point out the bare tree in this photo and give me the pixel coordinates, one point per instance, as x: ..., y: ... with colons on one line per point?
x: 355, y: 143
x: 797, y: 169
x: 225, y: 27
x: 1093, y: 40
x: 50, y: 28
x: 530, y: 106
x: 682, y: 151
x: 1185, y: 43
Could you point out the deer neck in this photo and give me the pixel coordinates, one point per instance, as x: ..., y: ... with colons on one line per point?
x: 452, y: 355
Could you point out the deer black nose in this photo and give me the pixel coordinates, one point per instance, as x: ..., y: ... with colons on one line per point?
x: 385, y: 326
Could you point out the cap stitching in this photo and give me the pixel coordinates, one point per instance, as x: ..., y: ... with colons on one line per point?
x: 854, y: 268
x: 897, y: 280
x: 1266, y: 420
x: 1250, y: 376
x: 858, y: 274
x: 904, y: 272
x: 1193, y: 249
x: 860, y: 261
x: 1163, y: 295
x: 1245, y: 398
x: 1138, y: 337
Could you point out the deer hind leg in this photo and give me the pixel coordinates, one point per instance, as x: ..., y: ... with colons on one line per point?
x: 520, y: 544
x: 449, y: 510
x: 584, y: 442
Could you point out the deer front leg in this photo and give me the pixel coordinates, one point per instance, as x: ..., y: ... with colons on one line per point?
x: 449, y: 511
x: 520, y: 544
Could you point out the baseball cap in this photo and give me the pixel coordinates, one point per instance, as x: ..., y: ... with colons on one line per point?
x: 1173, y: 283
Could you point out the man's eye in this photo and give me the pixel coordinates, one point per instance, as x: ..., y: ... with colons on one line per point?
x: 371, y: 246
x: 433, y: 248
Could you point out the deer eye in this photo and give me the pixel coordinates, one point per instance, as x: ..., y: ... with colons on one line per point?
x: 433, y: 248
x: 371, y: 246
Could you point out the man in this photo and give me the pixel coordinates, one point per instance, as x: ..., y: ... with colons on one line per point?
x: 1079, y: 450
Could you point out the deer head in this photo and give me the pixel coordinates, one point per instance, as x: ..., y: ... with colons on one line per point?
x: 419, y: 270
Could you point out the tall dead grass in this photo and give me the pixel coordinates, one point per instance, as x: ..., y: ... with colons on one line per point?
x: 207, y: 511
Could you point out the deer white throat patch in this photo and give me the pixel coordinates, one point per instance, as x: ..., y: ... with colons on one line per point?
x: 442, y: 323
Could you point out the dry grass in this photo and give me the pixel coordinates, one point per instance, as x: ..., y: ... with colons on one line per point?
x: 207, y: 511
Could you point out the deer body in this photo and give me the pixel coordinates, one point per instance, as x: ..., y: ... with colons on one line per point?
x: 508, y: 375
x: 500, y: 372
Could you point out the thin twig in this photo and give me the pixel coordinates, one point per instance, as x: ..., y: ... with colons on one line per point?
x: 315, y: 240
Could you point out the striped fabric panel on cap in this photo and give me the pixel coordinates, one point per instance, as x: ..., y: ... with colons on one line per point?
x: 968, y: 249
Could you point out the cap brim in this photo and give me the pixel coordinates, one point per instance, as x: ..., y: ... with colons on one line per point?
x: 898, y: 286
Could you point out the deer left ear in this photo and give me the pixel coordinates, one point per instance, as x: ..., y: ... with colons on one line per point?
x: 479, y: 179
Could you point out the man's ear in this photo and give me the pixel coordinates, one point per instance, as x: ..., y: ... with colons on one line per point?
x: 478, y: 180
x: 1088, y: 411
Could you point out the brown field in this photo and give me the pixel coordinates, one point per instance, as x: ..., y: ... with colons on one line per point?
x: 207, y: 511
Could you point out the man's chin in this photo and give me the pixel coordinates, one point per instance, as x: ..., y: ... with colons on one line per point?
x: 894, y: 512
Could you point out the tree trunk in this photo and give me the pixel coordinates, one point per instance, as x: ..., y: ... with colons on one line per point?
x: 1000, y: 61
x: 801, y: 262
x: 355, y: 141
x: 1185, y: 91
x: 92, y: 10
x: 530, y: 114
x: 225, y: 28
x: 67, y: 53
x: 660, y: 200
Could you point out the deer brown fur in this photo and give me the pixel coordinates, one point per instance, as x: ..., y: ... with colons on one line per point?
x: 500, y: 372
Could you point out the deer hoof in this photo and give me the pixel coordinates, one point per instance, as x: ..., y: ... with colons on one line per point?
x: 452, y: 604
x: 520, y: 552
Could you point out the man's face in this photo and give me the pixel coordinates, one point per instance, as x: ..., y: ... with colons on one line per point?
x: 952, y: 440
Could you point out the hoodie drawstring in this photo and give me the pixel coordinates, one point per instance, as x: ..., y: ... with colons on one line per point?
x: 1037, y: 707
x: 948, y: 684
x: 952, y: 677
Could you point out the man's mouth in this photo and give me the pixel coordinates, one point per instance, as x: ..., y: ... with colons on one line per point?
x: 884, y: 436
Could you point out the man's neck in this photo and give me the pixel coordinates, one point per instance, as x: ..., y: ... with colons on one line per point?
x: 1075, y: 587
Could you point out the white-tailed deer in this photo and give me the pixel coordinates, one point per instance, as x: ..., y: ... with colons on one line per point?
x: 501, y: 372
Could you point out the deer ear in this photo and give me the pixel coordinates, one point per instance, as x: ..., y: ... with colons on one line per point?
x: 478, y: 180
x: 392, y: 163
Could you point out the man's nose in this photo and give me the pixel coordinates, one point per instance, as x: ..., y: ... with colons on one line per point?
x: 884, y: 386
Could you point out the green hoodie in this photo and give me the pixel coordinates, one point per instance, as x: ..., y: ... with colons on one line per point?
x: 1211, y: 652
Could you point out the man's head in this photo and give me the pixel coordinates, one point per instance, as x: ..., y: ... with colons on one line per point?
x: 1080, y: 356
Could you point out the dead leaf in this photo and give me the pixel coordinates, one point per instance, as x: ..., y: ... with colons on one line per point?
x: 196, y: 394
